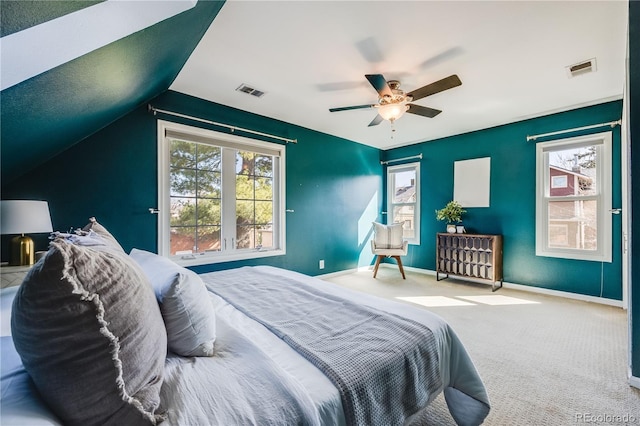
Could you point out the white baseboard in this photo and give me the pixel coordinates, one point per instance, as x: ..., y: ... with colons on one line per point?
x: 565, y: 294
x: 521, y: 287
x: 634, y: 381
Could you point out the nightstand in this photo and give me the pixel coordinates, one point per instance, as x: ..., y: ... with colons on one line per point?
x: 12, y: 275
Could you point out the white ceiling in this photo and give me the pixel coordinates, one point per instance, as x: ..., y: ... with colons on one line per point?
x: 309, y: 56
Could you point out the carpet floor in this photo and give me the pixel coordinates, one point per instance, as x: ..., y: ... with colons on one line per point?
x: 545, y: 360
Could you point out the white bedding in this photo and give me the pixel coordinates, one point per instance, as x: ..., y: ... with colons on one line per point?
x: 209, y: 390
x: 20, y: 404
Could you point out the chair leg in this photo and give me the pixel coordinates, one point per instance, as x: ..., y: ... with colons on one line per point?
x: 375, y: 268
x: 397, y: 258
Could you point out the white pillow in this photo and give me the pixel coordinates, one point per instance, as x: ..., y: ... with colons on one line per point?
x: 388, y: 236
x: 185, y: 304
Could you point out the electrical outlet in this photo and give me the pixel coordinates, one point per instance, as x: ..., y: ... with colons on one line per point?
x: 321, y: 264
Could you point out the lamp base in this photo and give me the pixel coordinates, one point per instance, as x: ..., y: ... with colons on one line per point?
x: 21, y: 253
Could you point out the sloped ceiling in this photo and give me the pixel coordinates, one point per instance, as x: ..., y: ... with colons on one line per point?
x: 46, y: 114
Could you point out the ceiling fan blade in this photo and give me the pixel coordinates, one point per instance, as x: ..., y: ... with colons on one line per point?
x: 423, y: 111
x: 351, y: 107
x: 433, y: 88
x: 380, y: 84
x: 370, y: 50
x: 376, y: 120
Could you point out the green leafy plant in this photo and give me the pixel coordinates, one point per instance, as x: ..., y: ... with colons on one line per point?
x: 452, y: 212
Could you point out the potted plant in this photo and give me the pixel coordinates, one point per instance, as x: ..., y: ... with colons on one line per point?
x: 452, y: 213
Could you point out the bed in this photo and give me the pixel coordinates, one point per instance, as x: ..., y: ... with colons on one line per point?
x: 253, y: 375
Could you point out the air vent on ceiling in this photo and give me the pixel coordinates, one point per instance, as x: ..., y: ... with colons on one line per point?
x: 581, y: 68
x: 250, y: 90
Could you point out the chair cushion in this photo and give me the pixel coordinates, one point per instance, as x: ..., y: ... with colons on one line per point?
x: 388, y: 236
x: 390, y: 252
x: 88, y: 329
x: 185, y: 304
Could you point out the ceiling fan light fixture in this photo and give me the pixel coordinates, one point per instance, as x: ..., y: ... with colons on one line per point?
x: 393, y: 102
x: 392, y: 112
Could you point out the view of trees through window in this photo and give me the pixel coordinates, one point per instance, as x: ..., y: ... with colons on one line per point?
x: 196, y: 200
x: 254, y: 200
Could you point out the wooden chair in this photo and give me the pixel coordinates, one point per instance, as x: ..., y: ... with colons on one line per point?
x: 388, y: 242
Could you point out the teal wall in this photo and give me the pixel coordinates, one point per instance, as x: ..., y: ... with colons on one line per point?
x: 333, y: 185
x: 634, y: 122
x: 512, y: 206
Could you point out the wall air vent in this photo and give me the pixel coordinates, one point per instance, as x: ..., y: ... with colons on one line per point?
x: 581, y: 68
x: 250, y: 90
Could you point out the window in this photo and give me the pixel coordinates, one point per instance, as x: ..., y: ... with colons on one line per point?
x: 573, y: 200
x: 403, y: 194
x: 221, y: 196
x: 559, y: 181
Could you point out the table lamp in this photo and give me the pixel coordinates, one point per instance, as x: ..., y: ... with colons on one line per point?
x: 23, y: 217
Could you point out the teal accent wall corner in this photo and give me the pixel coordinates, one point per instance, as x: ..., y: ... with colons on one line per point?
x: 112, y: 175
x: 512, y: 200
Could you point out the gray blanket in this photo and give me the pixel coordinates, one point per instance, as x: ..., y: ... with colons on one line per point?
x: 385, y: 367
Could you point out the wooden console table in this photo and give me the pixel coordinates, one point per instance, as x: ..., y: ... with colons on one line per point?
x: 470, y: 256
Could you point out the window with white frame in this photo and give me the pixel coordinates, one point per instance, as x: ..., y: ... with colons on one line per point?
x: 573, y: 201
x: 221, y: 196
x: 559, y: 181
x: 403, y: 199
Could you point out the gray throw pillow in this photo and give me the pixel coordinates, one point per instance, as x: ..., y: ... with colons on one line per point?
x: 185, y: 304
x: 94, y: 226
x: 88, y: 329
x: 388, y: 236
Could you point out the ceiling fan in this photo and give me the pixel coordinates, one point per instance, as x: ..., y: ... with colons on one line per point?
x: 393, y: 102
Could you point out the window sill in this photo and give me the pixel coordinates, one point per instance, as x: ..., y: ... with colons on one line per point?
x: 207, y: 259
x: 572, y: 255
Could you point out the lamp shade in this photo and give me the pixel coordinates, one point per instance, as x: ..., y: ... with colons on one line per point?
x: 392, y: 112
x: 24, y: 217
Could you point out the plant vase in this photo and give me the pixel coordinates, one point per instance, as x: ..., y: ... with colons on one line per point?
x: 452, y: 213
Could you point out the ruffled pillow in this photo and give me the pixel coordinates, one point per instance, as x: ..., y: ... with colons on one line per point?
x: 88, y: 329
